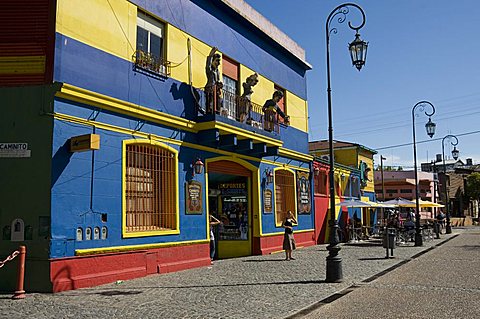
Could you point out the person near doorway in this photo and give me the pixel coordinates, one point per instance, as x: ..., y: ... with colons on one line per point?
x: 288, y: 239
x: 213, y: 222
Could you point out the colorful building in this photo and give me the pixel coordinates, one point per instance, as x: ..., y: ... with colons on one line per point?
x: 347, y: 186
x: 353, y: 176
x: 121, y: 133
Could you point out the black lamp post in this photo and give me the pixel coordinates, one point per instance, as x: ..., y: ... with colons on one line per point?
x: 358, y: 51
x: 455, y: 153
x: 430, y: 127
x: 383, y: 186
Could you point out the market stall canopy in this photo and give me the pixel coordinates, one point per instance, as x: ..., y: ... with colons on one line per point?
x: 424, y: 203
x: 355, y: 203
x: 381, y: 204
x: 400, y: 202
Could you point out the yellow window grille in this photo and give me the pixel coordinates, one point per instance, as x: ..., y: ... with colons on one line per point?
x: 150, y: 188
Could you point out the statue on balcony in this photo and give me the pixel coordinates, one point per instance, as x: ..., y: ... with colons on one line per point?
x: 270, y: 111
x: 213, y: 88
x: 245, y: 106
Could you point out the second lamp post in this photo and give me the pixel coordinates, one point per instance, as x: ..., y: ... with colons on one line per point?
x: 430, y: 127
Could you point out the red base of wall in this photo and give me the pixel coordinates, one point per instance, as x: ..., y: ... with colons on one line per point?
x: 88, y: 271
x: 270, y: 244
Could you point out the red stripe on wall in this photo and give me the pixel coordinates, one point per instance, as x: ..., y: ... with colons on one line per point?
x: 28, y: 28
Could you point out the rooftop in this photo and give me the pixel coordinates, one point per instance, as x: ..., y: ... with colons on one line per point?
x: 323, y: 145
x: 264, y: 25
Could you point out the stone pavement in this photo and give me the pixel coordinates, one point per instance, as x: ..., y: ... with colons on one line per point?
x: 442, y: 283
x: 249, y: 287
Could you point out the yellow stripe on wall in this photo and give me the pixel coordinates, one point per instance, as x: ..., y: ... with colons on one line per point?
x: 22, y: 64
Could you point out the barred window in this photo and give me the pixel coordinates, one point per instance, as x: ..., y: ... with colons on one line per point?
x: 284, y: 194
x: 320, y: 183
x: 150, y: 189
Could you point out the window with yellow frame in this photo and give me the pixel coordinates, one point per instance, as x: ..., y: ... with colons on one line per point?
x: 150, y: 189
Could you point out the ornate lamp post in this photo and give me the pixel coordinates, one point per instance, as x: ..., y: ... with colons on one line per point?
x: 455, y: 153
x: 358, y: 52
x: 430, y: 127
x: 383, y: 186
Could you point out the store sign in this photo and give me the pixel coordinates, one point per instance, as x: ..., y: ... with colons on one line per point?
x: 194, y: 198
x: 303, y: 193
x: 267, y: 201
x: 87, y: 142
x: 14, y: 150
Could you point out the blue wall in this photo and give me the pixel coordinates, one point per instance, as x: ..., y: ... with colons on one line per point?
x: 112, y: 76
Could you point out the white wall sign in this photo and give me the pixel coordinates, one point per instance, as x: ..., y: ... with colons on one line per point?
x: 18, y: 230
x: 14, y: 150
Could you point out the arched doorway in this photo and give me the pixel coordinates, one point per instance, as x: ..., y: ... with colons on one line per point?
x: 230, y: 201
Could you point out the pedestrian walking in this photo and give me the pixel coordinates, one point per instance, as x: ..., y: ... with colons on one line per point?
x: 288, y: 239
x: 441, y: 220
x: 213, y: 222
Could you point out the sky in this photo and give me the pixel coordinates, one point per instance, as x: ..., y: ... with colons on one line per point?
x: 418, y: 50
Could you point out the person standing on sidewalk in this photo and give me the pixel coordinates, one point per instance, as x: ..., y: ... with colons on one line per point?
x: 288, y: 239
x: 213, y: 222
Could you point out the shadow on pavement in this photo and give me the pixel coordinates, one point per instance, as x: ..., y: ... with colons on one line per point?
x: 261, y: 260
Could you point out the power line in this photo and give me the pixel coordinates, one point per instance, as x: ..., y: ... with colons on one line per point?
x: 424, y: 141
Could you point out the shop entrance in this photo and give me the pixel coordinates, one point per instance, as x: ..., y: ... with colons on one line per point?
x: 229, y: 200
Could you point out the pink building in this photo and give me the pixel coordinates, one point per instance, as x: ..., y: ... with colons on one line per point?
x: 402, y: 184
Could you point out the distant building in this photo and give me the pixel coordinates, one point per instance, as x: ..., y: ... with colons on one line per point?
x: 454, y: 179
x: 402, y: 184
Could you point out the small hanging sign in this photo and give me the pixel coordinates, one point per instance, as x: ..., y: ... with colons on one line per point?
x: 267, y: 201
x: 194, y: 198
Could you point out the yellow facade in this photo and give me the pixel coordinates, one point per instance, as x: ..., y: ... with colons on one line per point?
x: 352, y: 156
x: 346, y: 157
x: 297, y: 109
x: 110, y: 26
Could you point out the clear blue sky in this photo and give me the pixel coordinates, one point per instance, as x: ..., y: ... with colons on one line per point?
x: 418, y: 50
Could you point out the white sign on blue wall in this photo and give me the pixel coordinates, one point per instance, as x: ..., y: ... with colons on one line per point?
x: 14, y: 150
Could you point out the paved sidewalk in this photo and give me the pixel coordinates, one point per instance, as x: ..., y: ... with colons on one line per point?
x: 443, y: 283
x: 250, y: 287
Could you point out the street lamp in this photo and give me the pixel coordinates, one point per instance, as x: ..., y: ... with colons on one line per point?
x: 455, y: 153
x: 358, y: 51
x: 383, y: 187
x: 430, y: 127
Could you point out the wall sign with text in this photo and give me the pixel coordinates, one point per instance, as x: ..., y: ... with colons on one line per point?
x: 193, y: 194
x: 304, y: 198
x: 267, y: 201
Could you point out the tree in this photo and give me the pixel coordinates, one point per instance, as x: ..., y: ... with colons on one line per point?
x: 472, y: 187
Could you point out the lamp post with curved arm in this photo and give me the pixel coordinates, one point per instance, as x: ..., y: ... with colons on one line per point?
x: 430, y: 127
x: 358, y: 51
x: 455, y: 153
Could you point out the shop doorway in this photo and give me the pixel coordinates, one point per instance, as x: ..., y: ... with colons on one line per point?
x: 229, y: 200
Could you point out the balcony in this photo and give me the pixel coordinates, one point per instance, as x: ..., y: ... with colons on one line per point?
x: 149, y: 64
x: 233, y: 120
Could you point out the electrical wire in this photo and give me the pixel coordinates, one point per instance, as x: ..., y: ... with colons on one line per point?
x: 424, y: 141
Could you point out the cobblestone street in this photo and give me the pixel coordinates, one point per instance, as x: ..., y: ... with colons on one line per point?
x: 250, y: 287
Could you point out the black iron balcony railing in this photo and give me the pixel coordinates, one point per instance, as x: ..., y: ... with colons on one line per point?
x: 217, y: 100
x: 148, y: 63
